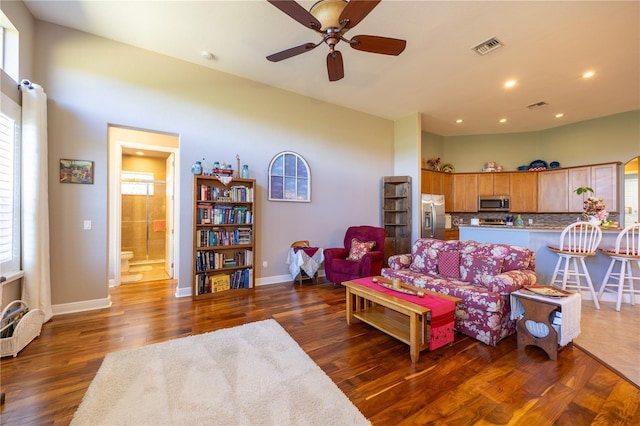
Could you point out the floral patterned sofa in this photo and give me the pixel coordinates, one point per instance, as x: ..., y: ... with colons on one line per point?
x: 481, y: 274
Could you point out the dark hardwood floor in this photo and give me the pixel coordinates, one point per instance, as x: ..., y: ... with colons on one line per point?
x: 466, y: 383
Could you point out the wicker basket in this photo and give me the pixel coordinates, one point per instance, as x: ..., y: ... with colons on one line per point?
x: 26, y: 328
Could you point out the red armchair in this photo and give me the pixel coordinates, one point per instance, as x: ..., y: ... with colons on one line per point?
x: 337, y: 265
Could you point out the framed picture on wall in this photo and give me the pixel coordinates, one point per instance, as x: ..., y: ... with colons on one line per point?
x: 76, y: 171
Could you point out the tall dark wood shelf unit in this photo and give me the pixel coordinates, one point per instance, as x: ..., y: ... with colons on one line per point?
x: 396, y: 215
x: 223, y: 235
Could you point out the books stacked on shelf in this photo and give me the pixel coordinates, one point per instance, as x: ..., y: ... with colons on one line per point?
x: 236, y: 194
x: 209, y: 259
x: 241, y: 278
x: 220, y: 237
x: 244, y: 235
x: 223, y: 214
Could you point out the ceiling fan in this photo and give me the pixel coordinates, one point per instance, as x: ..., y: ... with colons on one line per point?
x: 332, y: 19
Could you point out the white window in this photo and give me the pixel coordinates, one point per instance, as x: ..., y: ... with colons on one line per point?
x: 289, y: 178
x: 136, y: 183
x: 9, y: 186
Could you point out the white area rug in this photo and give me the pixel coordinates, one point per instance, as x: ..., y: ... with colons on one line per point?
x: 254, y: 374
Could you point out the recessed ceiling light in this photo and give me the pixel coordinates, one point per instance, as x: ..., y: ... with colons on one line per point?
x: 139, y: 153
x: 459, y: 120
x: 588, y: 74
x: 510, y: 83
x: 559, y: 115
x: 207, y: 55
x: 503, y: 120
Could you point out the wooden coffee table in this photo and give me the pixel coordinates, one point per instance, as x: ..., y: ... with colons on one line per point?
x: 399, y: 318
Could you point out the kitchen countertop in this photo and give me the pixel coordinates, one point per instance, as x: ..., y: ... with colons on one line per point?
x: 538, y: 238
x: 532, y: 228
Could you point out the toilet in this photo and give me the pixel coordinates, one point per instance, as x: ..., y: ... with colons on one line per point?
x: 124, y: 260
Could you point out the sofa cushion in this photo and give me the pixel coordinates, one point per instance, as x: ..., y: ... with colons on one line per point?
x: 449, y: 264
x: 359, y: 249
x: 479, y: 269
x: 424, y: 254
x: 515, y: 257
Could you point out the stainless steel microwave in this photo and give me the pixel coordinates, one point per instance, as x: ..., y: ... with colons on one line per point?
x: 494, y: 203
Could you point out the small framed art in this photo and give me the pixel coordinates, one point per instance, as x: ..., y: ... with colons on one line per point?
x: 76, y: 171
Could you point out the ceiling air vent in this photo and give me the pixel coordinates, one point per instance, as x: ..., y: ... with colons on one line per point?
x: 537, y: 105
x: 487, y: 46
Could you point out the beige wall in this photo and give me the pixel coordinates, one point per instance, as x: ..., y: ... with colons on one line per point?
x: 93, y: 82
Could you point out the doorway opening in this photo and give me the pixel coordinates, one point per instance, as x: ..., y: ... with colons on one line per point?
x: 142, y: 205
x: 631, y: 192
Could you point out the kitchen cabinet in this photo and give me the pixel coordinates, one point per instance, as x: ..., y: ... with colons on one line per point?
x: 433, y: 182
x: 493, y: 183
x: 523, y: 189
x: 553, y: 191
x: 604, y: 181
x: 556, y: 188
x: 465, y: 192
x: 579, y: 176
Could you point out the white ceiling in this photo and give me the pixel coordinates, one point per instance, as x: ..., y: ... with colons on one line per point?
x: 547, y: 46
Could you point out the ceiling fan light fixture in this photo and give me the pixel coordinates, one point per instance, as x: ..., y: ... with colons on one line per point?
x: 328, y: 13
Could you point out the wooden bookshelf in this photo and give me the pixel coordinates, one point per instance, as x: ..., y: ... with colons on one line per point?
x: 396, y: 215
x: 223, y: 235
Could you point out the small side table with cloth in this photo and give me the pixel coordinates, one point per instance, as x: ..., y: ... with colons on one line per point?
x: 305, y: 260
x: 534, y: 326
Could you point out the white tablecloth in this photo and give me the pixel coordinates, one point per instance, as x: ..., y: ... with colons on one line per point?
x: 300, y: 260
x: 570, y: 307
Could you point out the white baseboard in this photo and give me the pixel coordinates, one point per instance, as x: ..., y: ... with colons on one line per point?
x: 85, y: 305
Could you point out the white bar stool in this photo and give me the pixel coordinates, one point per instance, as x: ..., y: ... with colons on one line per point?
x: 626, y: 252
x: 577, y: 241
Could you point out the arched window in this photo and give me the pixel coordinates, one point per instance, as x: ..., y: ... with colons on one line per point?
x: 289, y: 178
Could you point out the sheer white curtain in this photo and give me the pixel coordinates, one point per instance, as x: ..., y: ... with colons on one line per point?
x: 36, y: 287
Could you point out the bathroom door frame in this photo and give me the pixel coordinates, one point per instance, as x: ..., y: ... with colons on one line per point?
x: 115, y: 202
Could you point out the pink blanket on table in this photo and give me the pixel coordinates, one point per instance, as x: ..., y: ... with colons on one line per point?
x: 442, y: 311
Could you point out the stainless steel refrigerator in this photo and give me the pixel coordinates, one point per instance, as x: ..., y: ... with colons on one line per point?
x: 432, y: 216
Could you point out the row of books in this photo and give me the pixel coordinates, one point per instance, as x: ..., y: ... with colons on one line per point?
x: 241, y: 278
x: 239, y: 194
x: 208, y: 260
x: 223, y: 214
x: 220, y: 237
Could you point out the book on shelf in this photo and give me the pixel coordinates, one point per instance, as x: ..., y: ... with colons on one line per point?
x: 236, y: 193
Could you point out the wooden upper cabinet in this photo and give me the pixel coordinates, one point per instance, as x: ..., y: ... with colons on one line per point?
x: 523, y: 189
x: 604, y: 181
x: 553, y: 191
x: 465, y: 192
x: 578, y: 177
x: 556, y: 188
x: 493, y: 183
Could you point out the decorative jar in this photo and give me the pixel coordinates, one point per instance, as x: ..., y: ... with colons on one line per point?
x: 196, y: 168
x: 244, y: 174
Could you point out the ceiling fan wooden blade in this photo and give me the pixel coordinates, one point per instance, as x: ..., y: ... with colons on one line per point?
x: 288, y: 53
x: 335, y: 66
x: 375, y: 44
x: 356, y: 10
x: 297, y: 12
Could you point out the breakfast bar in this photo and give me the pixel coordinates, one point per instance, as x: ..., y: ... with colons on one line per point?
x: 537, y: 238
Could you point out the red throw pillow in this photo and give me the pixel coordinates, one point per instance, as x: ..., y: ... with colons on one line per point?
x: 359, y: 249
x: 449, y: 264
